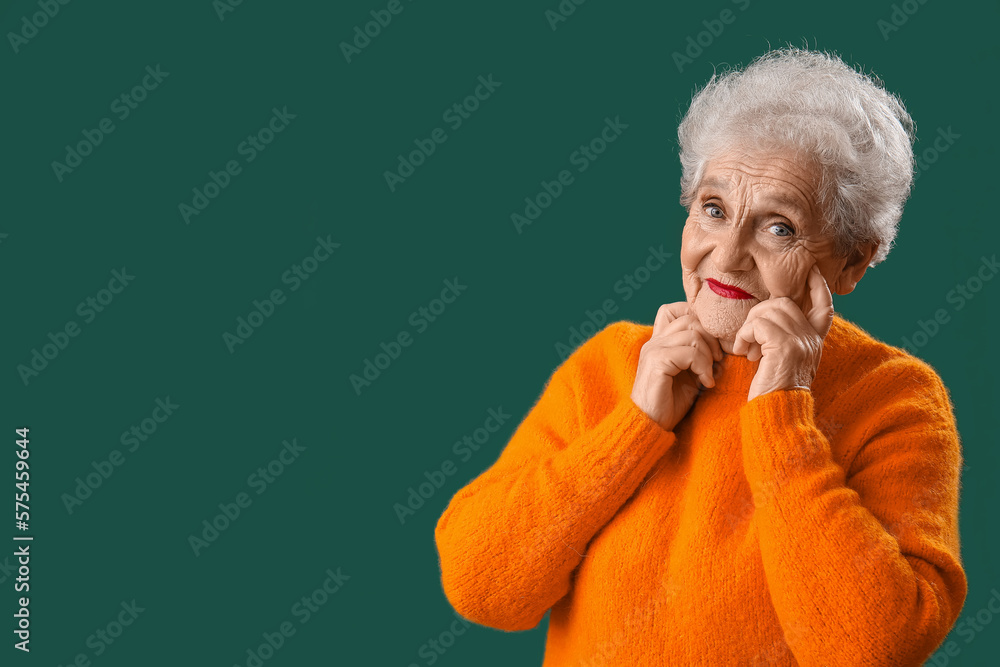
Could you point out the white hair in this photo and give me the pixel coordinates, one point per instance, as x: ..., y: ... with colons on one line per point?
x: 857, y: 133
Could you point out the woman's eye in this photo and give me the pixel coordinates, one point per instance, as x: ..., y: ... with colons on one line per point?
x: 780, y: 230
x: 713, y: 209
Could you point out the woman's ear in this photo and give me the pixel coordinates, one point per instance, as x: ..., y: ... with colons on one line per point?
x: 854, y: 267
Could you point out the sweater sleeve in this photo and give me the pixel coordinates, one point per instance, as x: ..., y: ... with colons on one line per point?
x: 509, y: 541
x: 863, y: 566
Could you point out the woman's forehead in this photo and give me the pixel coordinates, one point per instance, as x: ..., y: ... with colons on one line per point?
x: 772, y: 182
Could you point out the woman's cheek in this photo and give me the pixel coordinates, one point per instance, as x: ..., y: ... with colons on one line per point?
x: 692, y: 252
x: 785, y: 274
x: 694, y: 243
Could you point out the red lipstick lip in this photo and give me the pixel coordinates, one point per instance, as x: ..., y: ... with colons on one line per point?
x: 727, y: 291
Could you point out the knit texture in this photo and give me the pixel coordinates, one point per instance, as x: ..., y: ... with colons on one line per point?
x: 801, y: 528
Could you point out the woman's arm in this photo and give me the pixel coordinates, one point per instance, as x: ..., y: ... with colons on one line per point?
x: 509, y: 541
x: 863, y: 565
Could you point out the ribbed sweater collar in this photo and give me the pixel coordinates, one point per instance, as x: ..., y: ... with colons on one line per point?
x: 733, y: 375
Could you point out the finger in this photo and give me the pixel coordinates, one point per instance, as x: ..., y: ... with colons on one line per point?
x: 760, y: 331
x: 713, y: 342
x: 681, y: 338
x: 667, y: 313
x: 741, y: 343
x: 820, y: 312
x: 744, y: 343
x: 787, y: 315
x: 687, y: 338
x: 702, y: 367
x: 691, y: 322
x: 744, y: 340
x: 686, y: 351
x: 779, y: 309
x: 786, y: 324
x: 749, y: 349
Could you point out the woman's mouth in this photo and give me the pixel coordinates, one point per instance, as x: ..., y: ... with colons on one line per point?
x: 727, y: 291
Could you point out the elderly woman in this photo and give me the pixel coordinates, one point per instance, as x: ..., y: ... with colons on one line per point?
x: 752, y: 479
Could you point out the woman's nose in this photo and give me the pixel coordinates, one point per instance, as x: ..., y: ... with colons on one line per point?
x: 731, y: 253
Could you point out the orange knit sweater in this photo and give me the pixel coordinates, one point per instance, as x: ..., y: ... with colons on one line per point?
x: 801, y: 528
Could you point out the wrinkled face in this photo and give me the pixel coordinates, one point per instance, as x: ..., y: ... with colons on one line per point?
x: 754, y: 225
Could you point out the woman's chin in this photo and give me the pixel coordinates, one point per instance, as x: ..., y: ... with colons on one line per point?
x: 721, y: 317
x: 722, y: 325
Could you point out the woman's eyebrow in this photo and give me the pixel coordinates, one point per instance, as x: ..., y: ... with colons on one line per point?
x: 787, y: 200
x: 773, y: 200
x: 714, y: 183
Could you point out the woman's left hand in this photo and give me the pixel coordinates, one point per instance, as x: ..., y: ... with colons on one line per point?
x: 786, y: 339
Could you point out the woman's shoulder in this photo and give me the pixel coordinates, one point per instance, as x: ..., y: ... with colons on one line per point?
x: 615, y: 343
x: 854, y: 360
x: 609, y: 357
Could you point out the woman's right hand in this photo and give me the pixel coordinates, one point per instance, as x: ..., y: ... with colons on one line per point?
x: 678, y: 355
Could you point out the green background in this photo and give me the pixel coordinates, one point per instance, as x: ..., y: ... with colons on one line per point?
x: 322, y: 176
